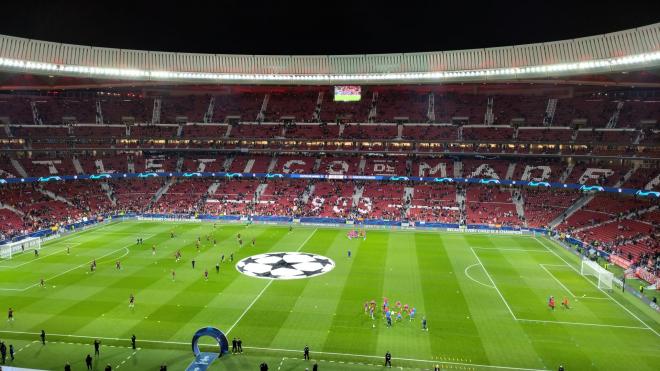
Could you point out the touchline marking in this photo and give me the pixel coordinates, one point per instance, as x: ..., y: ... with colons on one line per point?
x: 493, y: 282
x: 127, y: 358
x: 277, y: 350
x: 400, y: 358
x: 470, y: 277
x: 508, y: 249
x: 266, y: 287
x: 603, y: 291
x: 584, y: 324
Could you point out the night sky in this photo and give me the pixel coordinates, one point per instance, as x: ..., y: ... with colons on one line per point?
x: 318, y: 27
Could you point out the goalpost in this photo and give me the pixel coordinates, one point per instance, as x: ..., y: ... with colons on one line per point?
x: 12, y: 248
x: 591, y: 268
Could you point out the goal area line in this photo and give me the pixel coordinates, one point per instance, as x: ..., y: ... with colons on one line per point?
x: 609, y: 297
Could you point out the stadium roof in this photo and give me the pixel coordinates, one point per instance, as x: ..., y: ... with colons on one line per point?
x: 623, y: 51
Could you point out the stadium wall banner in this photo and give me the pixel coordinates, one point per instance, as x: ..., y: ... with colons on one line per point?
x: 485, y: 230
x: 503, y: 182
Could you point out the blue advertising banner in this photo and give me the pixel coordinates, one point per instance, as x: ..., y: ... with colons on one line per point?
x: 504, y: 182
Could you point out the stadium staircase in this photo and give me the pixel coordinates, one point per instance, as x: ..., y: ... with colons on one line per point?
x: 309, y: 191
x: 161, y: 191
x: 166, y: 186
x: 406, y: 202
x: 316, y: 115
x: 566, y: 173
x: 317, y: 165
x: 488, y: 116
x: 430, y: 108
x: 272, y: 164
x: 653, y: 183
x: 550, y: 110
x: 212, y: 188
x: 362, y: 166
x: 341, y: 130
x: 155, y: 115
x: 261, y: 188
x: 208, y: 115
x: 458, y: 169
x: 54, y: 196
x: 14, y: 210
x: 519, y: 201
x: 510, y: 170
x: 261, y: 116
x: 460, y: 202
x: 614, y: 119
x: 357, y: 195
x: 98, y: 118
x: 19, y: 168
x: 108, y: 191
x: 77, y: 166
x: 628, y: 175
x: 579, y: 204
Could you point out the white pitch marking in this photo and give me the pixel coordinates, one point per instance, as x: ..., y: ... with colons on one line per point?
x: 72, y: 269
x: 603, y: 291
x: 266, y: 287
x: 507, y: 249
x: 583, y: 324
x: 558, y: 281
x: 493, y: 282
x: 470, y: 277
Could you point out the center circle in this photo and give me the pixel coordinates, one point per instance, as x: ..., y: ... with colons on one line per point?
x: 285, y: 265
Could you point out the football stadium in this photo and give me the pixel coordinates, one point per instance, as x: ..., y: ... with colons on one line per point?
x: 463, y: 209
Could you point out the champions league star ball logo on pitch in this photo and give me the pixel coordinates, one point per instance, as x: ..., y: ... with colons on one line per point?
x: 285, y: 265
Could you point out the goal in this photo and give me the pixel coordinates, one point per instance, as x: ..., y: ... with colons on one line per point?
x: 591, y: 268
x: 12, y: 248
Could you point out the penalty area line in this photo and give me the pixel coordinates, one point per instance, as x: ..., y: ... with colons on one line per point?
x: 493, y: 282
x: 470, y: 277
x: 603, y: 291
x: 583, y: 324
x: 74, y: 268
x: 557, y: 280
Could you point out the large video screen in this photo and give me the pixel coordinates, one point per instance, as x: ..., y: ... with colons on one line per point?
x: 348, y: 93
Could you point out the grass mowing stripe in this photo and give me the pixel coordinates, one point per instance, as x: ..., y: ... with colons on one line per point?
x: 266, y: 287
x: 467, y: 322
x: 350, y: 327
x: 557, y: 280
x: 493, y: 283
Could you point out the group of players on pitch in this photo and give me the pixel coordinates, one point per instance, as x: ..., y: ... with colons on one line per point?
x: 564, y: 303
x: 397, y: 312
x: 177, y: 258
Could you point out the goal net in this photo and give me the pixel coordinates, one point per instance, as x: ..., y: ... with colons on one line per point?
x: 591, y: 268
x: 12, y: 248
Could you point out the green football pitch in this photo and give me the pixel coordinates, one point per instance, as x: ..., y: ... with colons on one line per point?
x: 484, y: 296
